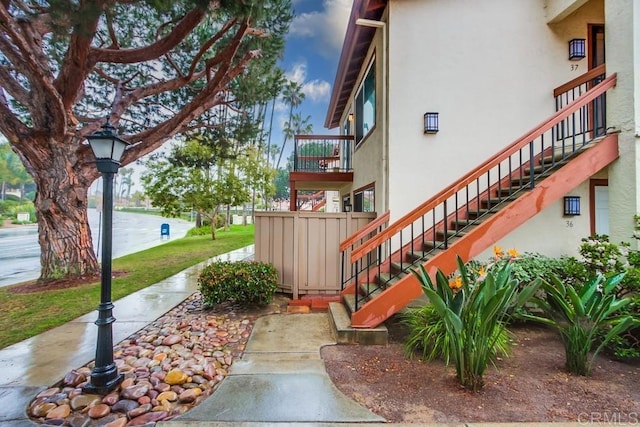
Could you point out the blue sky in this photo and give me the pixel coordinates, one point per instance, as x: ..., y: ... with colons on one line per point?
x: 311, y: 56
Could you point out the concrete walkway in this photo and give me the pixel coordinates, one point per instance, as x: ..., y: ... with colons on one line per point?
x: 37, y: 363
x: 281, y: 377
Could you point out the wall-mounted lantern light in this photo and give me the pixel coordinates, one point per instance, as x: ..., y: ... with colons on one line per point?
x: 351, y: 117
x: 347, y: 206
x: 577, y: 49
x: 572, y: 205
x: 430, y: 122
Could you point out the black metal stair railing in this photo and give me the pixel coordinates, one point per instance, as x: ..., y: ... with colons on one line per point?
x: 376, y: 226
x: 432, y: 227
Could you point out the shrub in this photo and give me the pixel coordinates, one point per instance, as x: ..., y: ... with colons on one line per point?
x: 11, y: 208
x: 586, y: 319
x: 602, y: 256
x: 428, y: 335
x: 525, y: 268
x: 247, y: 283
x: 205, y: 230
x: 221, y: 221
x: 627, y: 344
x: 571, y: 272
x: 474, y: 313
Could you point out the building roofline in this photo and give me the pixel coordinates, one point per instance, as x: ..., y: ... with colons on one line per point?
x: 354, y: 50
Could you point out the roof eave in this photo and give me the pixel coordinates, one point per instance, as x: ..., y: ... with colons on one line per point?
x: 354, y: 48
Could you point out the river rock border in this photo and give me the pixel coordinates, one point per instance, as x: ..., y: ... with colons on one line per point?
x: 169, y: 367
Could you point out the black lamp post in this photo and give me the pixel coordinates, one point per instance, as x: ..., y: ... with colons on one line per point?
x: 108, y: 149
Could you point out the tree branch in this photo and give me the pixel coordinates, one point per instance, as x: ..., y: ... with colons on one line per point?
x: 227, y: 26
x: 154, y: 50
x: 50, y: 112
x: 112, y: 32
x: 12, y: 128
x: 14, y: 88
x: 153, y: 138
x: 77, y: 63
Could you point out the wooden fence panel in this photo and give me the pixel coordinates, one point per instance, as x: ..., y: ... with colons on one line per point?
x: 304, y: 247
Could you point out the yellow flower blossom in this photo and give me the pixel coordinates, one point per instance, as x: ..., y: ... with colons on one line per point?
x: 482, y: 274
x: 456, y: 283
x: 497, y: 251
x: 513, y: 253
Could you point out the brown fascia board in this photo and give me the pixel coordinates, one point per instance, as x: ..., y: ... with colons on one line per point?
x: 352, y: 56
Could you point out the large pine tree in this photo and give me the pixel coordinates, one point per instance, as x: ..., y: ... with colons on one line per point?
x: 153, y: 68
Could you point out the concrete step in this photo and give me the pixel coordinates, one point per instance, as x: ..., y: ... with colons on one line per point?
x: 492, y: 203
x: 462, y: 223
x: 404, y: 267
x: 430, y: 245
x: 387, y: 279
x: 475, y: 213
x: 345, y: 334
x: 370, y: 290
x: 416, y: 255
x: 349, y: 301
x: 450, y: 234
x: 507, y: 192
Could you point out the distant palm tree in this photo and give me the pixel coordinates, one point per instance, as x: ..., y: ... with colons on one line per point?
x: 126, y: 182
x: 293, y: 96
x: 277, y: 82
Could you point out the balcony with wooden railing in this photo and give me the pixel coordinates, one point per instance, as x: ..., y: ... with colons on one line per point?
x: 320, y: 163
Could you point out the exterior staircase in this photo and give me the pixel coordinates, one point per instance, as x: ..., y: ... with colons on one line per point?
x: 476, y: 211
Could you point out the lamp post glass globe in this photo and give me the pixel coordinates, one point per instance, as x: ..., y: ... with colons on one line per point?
x: 108, y: 149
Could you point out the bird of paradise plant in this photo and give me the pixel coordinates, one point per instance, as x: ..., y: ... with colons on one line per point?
x: 586, y: 320
x: 473, y: 314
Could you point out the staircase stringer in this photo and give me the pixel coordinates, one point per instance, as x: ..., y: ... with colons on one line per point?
x: 485, y: 234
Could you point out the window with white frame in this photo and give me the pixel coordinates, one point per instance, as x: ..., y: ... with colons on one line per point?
x: 364, y: 200
x: 365, y: 104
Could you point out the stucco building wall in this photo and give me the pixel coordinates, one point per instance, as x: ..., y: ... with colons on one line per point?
x: 489, y: 70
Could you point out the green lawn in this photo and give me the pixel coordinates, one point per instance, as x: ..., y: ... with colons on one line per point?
x: 25, y: 315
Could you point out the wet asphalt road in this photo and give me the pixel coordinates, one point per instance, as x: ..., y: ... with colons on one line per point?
x: 20, y: 252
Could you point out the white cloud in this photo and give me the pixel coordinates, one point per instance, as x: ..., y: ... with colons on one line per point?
x: 327, y: 27
x: 298, y: 73
x: 316, y: 90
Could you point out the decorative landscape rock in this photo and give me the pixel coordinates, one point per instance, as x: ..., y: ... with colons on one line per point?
x: 169, y: 367
x: 124, y: 406
x: 61, y: 411
x: 176, y: 377
x: 98, y: 411
x: 80, y: 402
x: 74, y: 378
x: 189, y: 396
x: 134, y: 392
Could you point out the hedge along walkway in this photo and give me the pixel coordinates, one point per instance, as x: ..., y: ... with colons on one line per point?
x: 246, y: 283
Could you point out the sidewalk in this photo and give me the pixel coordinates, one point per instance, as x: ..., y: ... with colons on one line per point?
x: 37, y: 363
x: 280, y: 379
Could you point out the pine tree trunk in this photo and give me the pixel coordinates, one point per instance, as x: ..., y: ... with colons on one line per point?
x: 63, y: 227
